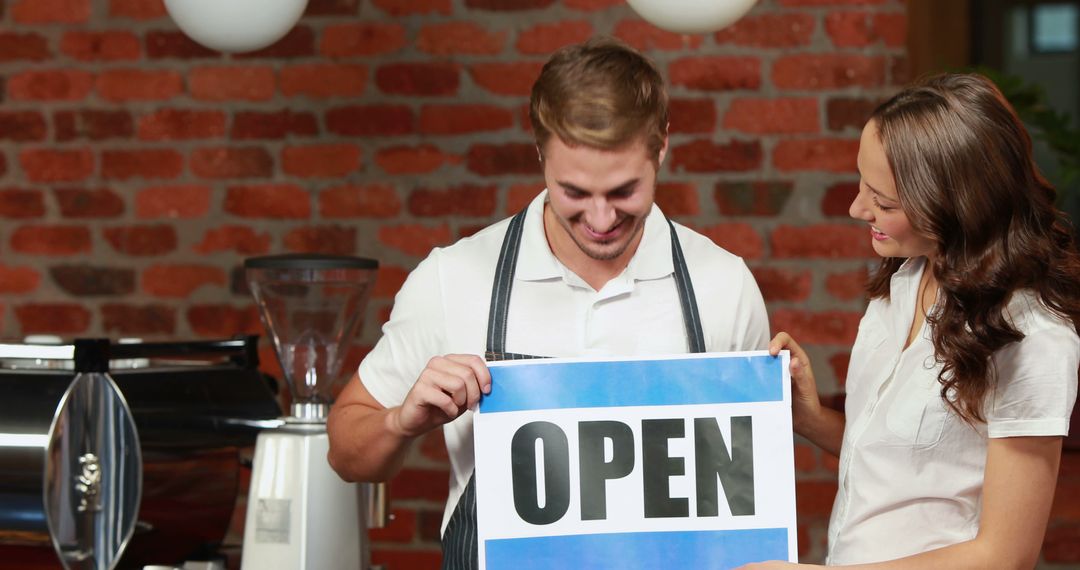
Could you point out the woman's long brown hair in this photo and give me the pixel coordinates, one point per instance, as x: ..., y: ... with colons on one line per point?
x: 965, y: 177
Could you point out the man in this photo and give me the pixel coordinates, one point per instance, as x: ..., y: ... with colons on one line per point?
x: 591, y: 267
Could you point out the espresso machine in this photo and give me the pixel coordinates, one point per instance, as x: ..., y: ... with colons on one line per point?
x: 300, y: 514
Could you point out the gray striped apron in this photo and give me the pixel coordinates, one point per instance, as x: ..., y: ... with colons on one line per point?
x: 459, y: 542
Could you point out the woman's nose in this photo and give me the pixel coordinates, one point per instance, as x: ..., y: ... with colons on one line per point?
x: 859, y: 208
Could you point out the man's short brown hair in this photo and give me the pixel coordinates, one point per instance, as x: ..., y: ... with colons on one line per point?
x: 601, y: 94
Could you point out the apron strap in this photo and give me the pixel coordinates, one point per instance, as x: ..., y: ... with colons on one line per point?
x: 500, y: 289
x: 695, y: 337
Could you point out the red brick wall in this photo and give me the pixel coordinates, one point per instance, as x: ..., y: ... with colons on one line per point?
x: 138, y: 170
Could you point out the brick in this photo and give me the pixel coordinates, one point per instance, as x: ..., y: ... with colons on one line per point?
x: 331, y: 240
x: 144, y: 163
x: 757, y: 198
x: 142, y: 240
x: 89, y: 203
x: 137, y: 9
x: 180, y: 281
x: 692, y: 116
x: 50, y: 85
x: 370, y: 120
x: 899, y: 71
x: 53, y: 240
x: 1065, y: 506
x: 29, y: 46
x: 422, y: 159
x: 172, y: 202
x: 411, y: 7
x: 647, y: 37
x: 780, y: 284
x: 506, y: 78
x: 298, y: 42
x: 716, y: 73
x: 92, y: 124
x: 21, y: 203
x: 366, y: 201
x: 837, y: 328
x: 138, y: 320
x: 543, y: 39
x: 429, y: 525
x: 53, y: 318
x: 22, y: 126
x: 424, y: 484
x: 414, y: 239
x: 499, y: 159
x: 822, y: 241
x: 740, y: 239
x: 464, y: 200
x: 223, y: 321
x: 221, y: 162
x: 250, y: 83
x: 332, y: 8
x: 48, y: 165
x: 838, y: 198
x: 848, y: 285
x: 773, y: 116
x: 406, y: 559
x: 460, y: 38
x: 507, y: 5
x: 678, y: 198
x: 1062, y: 544
x: 828, y: 155
x: 781, y: 30
x: 828, y: 71
x: 591, y: 5
x: 849, y: 112
x: 707, y: 156
x: 320, y: 161
x: 816, y: 3
x: 273, y: 124
x: 814, y: 498
x: 457, y: 119
x: 50, y: 11
x: 891, y: 28
x: 839, y: 364
x: 323, y: 80
x: 805, y: 459
x: 418, y: 78
x: 121, y: 85
x: 89, y: 280
x: 390, y: 278
x: 400, y: 528
x: 101, y: 46
x: 519, y: 196
x: 849, y: 29
x: 239, y: 239
x: 16, y: 280
x: 181, y: 124
x: 274, y: 201
x: 361, y: 39
x: 174, y: 44
x: 433, y: 446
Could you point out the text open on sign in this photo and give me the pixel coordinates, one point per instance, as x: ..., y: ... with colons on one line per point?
x: 677, y: 462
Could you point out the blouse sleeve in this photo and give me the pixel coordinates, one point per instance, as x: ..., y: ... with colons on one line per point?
x: 1036, y: 384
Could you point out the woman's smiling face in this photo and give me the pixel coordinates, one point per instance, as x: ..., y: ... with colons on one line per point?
x: 878, y: 203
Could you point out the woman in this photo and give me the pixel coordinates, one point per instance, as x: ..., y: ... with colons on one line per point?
x: 964, y: 371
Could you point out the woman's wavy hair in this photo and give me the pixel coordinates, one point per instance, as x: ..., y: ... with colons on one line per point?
x: 964, y: 173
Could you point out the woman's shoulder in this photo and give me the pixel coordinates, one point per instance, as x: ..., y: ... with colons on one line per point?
x: 1029, y: 315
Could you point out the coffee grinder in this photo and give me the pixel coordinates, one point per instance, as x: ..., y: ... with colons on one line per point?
x: 300, y: 514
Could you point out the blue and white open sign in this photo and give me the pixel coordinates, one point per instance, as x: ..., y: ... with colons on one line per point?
x: 678, y: 462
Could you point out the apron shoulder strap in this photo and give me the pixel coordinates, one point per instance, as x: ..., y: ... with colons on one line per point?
x: 695, y: 336
x: 504, y: 281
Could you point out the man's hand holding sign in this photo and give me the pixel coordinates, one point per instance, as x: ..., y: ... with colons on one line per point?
x: 678, y: 462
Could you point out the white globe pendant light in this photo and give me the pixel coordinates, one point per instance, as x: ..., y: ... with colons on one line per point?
x: 235, y: 25
x: 691, y: 16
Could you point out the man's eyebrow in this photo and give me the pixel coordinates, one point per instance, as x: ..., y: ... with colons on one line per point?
x: 624, y: 186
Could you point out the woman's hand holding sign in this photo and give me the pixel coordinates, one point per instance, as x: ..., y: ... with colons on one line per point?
x: 809, y: 418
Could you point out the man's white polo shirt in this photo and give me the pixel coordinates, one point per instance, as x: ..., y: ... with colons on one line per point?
x: 443, y: 309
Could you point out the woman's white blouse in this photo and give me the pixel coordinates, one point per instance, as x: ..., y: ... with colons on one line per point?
x: 911, y: 470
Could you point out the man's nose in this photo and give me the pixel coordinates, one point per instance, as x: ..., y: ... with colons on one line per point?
x: 600, y: 214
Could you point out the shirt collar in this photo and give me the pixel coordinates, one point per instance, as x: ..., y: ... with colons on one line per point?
x: 652, y: 260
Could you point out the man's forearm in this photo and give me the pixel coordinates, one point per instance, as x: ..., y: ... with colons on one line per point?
x: 363, y: 444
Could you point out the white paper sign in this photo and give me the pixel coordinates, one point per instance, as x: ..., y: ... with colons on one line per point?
x: 679, y: 462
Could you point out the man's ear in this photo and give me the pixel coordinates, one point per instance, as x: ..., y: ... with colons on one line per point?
x: 663, y: 149
x: 539, y: 154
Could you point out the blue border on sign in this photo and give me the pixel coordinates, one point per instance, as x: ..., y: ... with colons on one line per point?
x: 597, y: 384
x: 714, y: 549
